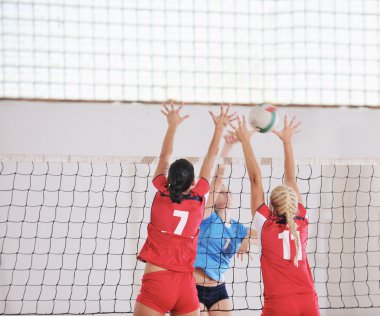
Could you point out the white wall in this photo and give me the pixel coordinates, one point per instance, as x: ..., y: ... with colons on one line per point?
x: 137, y: 130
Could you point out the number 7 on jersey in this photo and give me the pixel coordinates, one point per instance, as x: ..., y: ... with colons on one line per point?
x: 183, y: 215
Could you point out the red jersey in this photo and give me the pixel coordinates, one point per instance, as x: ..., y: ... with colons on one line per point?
x: 174, y: 227
x: 278, y: 249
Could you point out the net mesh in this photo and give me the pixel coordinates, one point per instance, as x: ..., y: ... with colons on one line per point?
x: 70, y: 231
x: 246, y: 51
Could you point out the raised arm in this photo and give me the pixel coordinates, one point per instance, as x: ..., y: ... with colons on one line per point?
x: 254, y: 173
x: 217, y: 182
x: 286, y: 136
x: 220, y: 122
x: 174, y: 119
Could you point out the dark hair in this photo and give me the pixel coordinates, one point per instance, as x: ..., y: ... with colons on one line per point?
x: 180, y: 178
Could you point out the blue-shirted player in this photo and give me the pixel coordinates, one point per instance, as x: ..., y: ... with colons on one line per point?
x: 220, y: 237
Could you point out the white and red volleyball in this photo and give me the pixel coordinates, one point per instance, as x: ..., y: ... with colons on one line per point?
x: 263, y: 116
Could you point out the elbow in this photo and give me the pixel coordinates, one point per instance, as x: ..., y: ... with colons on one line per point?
x: 211, y: 157
x: 254, y: 179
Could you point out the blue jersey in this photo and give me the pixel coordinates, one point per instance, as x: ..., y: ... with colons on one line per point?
x: 217, y: 243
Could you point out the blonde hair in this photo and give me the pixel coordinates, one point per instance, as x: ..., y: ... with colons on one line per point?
x: 285, y: 203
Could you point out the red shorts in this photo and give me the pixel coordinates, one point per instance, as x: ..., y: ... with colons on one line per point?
x: 305, y: 304
x: 166, y: 291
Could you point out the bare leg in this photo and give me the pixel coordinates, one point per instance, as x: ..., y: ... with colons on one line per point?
x: 142, y: 310
x: 204, y: 311
x: 221, y: 308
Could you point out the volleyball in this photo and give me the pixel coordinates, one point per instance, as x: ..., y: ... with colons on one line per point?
x: 263, y: 116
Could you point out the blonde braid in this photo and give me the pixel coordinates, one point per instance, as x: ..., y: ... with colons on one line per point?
x: 284, y: 201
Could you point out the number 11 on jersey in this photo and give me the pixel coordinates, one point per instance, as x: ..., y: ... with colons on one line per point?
x: 286, y: 244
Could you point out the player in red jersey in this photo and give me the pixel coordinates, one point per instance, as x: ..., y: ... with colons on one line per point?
x: 282, y: 229
x: 177, y: 211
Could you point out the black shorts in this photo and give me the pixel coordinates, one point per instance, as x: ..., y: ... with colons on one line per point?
x: 209, y: 295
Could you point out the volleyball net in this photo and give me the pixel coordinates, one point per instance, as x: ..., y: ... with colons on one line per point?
x: 71, y: 227
x: 247, y: 51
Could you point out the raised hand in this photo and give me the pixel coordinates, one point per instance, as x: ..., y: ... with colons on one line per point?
x: 241, y: 132
x: 230, y: 139
x: 172, y: 114
x: 244, y: 249
x: 290, y: 128
x: 229, y: 142
x: 224, y: 117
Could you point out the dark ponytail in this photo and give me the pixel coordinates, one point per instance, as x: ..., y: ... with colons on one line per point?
x: 180, y: 178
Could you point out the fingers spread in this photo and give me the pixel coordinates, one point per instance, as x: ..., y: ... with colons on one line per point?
x: 292, y: 122
x: 184, y: 118
x: 233, y: 127
x: 228, y: 108
x: 166, y: 107
x: 232, y: 117
x: 221, y: 109
x: 297, y: 125
x: 239, y: 121
x: 213, y: 116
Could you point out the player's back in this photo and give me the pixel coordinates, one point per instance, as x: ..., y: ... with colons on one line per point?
x: 173, y: 229
x: 177, y: 218
x: 278, y: 250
